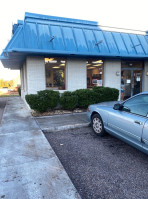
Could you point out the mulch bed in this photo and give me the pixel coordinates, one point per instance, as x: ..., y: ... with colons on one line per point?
x: 56, y: 112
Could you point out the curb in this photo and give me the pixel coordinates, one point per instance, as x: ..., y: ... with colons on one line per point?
x: 66, y: 127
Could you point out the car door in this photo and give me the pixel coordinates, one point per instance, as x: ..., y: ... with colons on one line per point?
x: 130, y: 120
x: 145, y: 136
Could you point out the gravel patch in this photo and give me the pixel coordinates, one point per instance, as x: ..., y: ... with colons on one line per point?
x: 101, y: 168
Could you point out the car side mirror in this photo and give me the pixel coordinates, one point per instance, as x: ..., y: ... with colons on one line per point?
x: 118, y: 106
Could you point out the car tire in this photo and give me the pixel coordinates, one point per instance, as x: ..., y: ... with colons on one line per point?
x: 97, y: 125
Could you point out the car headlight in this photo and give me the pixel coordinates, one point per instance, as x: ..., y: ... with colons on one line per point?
x: 88, y: 109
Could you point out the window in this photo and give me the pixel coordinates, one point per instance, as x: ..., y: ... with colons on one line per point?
x: 55, y: 73
x: 94, y: 73
x: 137, y: 105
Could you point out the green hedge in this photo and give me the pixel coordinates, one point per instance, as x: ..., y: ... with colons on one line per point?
x: 43, y: 100
x: 19, y: 91
x: 68, y: 100
x: 105, y: 94
x: 85, y: 97
x: 82, y: 98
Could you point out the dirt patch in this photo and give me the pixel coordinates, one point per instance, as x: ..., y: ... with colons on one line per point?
x: 56, y: 112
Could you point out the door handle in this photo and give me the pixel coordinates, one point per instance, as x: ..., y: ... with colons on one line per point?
x: 138, y: 122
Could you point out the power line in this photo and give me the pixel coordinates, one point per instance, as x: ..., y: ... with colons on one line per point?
x: 122, y: 28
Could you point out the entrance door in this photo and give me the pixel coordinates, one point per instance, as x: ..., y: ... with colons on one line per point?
x: 131, y: 82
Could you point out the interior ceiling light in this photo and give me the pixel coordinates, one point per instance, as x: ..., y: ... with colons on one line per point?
x: 62, y: 64
x: 88, y: 64
x: 96, y: 62
x: 56, y: 67
x: 53, y: 61
x: 48, y: 59
x: 91, y: 67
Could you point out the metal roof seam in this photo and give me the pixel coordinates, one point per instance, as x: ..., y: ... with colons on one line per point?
x: 105, y: 40
x: 96, y: 41
x: 50, y: 32
x: 141, y: 44
x: 37, y: 35
x: 132, y: 43
x: 124, y: 43
x: 146, y: 38
x: 115, y: 42
x: 74, y: 38
x: 61, y: 28
x: 23, y: 36
x: 85, y: 40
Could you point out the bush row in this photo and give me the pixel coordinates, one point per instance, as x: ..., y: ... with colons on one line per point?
x: 82, y: 98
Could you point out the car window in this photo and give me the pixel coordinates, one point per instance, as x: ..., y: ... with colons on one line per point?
x: 137, y: 105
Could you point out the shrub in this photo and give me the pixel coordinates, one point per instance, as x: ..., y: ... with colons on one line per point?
x: 19, y: 91
x: 85, y: 97
x: 68, y: 100
x: 106, y: 94
x: 33, y: 101
x: 43, y: 100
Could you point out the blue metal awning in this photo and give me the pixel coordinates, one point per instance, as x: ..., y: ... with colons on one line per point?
x: 42, y: 35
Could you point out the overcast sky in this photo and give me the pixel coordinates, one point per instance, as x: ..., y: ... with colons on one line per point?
x: 130, y: 14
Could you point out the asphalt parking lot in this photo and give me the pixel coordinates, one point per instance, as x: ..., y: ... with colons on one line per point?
x: 101, y: 168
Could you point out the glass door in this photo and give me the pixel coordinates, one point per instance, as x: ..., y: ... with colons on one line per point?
x: 126, y: 84
x: 131, y: 83
x: 137, y: 82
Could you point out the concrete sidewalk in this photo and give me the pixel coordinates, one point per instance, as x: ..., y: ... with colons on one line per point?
x: 29, y: 168
x: 62, y: 122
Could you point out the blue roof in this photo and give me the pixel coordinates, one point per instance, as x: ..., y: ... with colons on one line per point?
x: 42, y: 35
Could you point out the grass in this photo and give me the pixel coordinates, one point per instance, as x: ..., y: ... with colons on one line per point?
x: 9, y: 95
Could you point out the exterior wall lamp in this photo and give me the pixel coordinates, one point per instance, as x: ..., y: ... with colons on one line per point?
x: 117, y: 73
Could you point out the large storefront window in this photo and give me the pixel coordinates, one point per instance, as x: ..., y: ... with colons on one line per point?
x: 55, y: 73
x: 94, y: 73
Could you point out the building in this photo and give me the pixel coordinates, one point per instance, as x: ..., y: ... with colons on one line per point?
x: 68, y: 54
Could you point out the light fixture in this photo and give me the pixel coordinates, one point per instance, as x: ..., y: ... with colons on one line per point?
x: 62, y: 64
x: 56, y: 67
x: 53, y: 61
x: 117, y: 73
x: 96, y: 62
x: 91, y: 67
x: 48, y: 59
x: 97, y: 65
x: 147, y: 73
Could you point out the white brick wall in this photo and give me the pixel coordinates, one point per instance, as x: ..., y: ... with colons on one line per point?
x: 76, y: 74
x: 111, y: 79
x: 35, y: 68
x: 145, y: 77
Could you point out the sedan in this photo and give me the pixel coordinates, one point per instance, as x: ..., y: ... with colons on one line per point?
x: 127, y: 120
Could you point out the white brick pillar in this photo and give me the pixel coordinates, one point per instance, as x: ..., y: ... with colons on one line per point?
x: 35, y: 73
x: 145, y: 77
x: 112, y: 74
x: 76, y: 74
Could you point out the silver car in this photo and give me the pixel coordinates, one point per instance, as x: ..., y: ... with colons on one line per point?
x: 127, y: 120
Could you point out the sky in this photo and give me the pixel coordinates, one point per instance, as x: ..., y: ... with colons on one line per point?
x: 130, y: 14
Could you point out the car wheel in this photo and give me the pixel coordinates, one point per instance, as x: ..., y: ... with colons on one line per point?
x: 97, y: 125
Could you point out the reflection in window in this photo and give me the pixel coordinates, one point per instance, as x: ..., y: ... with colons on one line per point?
x: 94, y: 73
x: 55, y: 73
